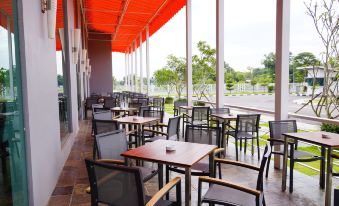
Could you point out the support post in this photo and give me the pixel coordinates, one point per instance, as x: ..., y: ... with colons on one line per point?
x: 136, y: 66
x: 132, y: 71
x: 189, y: 83
x: 125, y: 79
x: 220, y: 88
x: 141, y: 72
x: 282, y: 65
x: 10, y: 55
x: 147, y: 60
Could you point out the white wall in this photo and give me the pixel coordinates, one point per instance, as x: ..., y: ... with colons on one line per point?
x: 45, y: 154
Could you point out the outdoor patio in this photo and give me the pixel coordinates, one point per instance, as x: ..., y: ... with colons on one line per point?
x: 70, y: 189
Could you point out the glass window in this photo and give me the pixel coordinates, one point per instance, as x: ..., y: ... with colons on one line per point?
x: 13, y: 178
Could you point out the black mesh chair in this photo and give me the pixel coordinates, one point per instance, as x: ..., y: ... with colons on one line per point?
x: 247, y: 128
x: 142, y: 109
x: 101, y: 127
x: 134, y: 105
x: 171, y: 134
x: 148, y: 130
x: 103, y: 115
x: 217, y: 121
x: 109, y: 147
x: 177, y: 105
x: 143, y: 101
x: 220, y: 110
x: 158, y: 103
x: 277, y: 128
x: 224, y: 192
x: 123, y: 186
x: 88, y: 104
x: 200, y: 116
x: 202, y: 135
x: 110, y: 102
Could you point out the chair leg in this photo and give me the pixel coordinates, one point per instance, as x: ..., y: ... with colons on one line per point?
x: 167, y: 180
x: 258, y: 148
x: 245, y: 146
x: 236, y: 148
x: 268, y: 165
x: 219, y: 168
x: 252, y: 147
x: 240, y: 144
x: 291, y: 175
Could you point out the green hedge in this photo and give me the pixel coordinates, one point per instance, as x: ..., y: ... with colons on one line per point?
x: 199, y: 104
x: 330, y: 128
x: 169, y: 100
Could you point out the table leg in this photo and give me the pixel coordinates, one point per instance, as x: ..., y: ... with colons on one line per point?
x: 283, y: 185
x: 322, y: 168
x: 328, y: 189
x: 223, y: 137
x: 211, y: 165
x: 160, y: 175
x: 188, y: 186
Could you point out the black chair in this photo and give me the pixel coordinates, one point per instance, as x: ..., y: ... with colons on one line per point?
x: 122, y: 186
x: 200, y: 116
x: 158, y: 103
x: 103, y: 115
x: 110, y: 102
x: 177, y: 105
x: 142, y: 109
x: 88, y: 104
x: 134, y: 105
x: 202, y: 135
x: 277, y: 128
x: 171, y: 134
x: 220, y: 110
x: 247, y: 128
x: 224, y: 192
x: 143, y: 101
x: 109, y: 147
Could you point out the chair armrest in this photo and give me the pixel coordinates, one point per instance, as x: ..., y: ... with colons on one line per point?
x: 131, y: 132
x: 186, y: 115
x: 161, y: 124
x: 163, y: 191
x: 111, y: 161
x: 230, y: 184
x: 117, y: 116
x: 336, y: 156
x: 218, y: 150
x: 155, y: 131
x: 237, y: 163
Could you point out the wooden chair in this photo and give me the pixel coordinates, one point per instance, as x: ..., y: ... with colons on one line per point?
x: 228, y: 193
x: 121, y: 186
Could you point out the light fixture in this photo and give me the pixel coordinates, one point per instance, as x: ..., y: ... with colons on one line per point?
x: 62, y: 39
x: 51, y: 7
x: 76, y: 36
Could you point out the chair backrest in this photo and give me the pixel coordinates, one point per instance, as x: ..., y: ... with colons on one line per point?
x: 134, y: 105
x: 179, y: 103
x: 154, y: 113
x: 143, y: 101
x: 114, y: 184
x: 104, y: 126
x: 158, y: 103
x: 267, y: 153
x: 103, y: 115
x: 277, y: 128
x: 173, y: 128
x: 247, y: 123
x: 96, y: 109
x: 220, y: 110
x: 90, y: 102
x: 142, y: 109
x: 203, y: 134
x: 110, y: 102
x: 111, y: 144
x: 200, y: 113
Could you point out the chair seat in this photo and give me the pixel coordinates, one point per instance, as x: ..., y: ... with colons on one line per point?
x: 241, y: 135
x: 147, y: 173
x: 299, y: 154
x: 198, y: 169
x: 228, y: 196
x: 160, y: 203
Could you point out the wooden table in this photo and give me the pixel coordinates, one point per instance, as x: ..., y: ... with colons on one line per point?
x: 124, y: 110
x: 315, y: 138
x: 226, y: 118
x: 185, y: 155
x: 140, y: 122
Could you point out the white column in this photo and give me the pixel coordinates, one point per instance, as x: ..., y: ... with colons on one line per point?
x: 132, y: 71
x: 147, y: 60
x: 220, y: 54
x: 128, y: 72
x: 125, y: 82
x: 141, y: 72
x: 282, y: 65
x: 136, y: 66
x: 189, y: 85
x: 10, y: 55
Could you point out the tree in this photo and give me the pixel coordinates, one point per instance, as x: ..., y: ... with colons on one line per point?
x: 269, y: 62
x: 4, y: 79
x: 302, y: 59
x: 253, y: 83
x: 229, y: 82
x: 163, y: 77
x: 60, y: 80
x: 326, y: 22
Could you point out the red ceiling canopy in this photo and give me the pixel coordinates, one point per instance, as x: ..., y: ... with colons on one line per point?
x: 122, y: 21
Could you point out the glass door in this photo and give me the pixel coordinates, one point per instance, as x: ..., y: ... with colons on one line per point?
x: 13, y: 178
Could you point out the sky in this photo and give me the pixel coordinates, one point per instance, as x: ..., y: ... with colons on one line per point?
x: 249, y: 34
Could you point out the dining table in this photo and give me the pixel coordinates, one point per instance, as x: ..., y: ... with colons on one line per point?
x: 181, y: 154
x: 327, y: 141
x: 125, y: 110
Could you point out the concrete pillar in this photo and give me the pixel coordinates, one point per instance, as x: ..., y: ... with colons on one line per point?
x: 141, y: 90
x: 220, y: 88
x: 147, y: 60
x: 189, y: 83
x: 132, y: 71
x: 136, y: 67
x: 282, y: 65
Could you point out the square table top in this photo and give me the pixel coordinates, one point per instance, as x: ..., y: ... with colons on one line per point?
x: 316, y: 138
x: 122, y: 109
x: 185, y: 155
x: 136, y: 120
x: 225, y: 116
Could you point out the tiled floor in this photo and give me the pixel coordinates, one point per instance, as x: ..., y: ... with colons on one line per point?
x: 70, y: 189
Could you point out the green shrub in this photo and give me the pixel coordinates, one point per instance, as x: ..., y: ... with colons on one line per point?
x: 330, y: 128
x: 199, y: 104
x: 169, y: 100
x: 270, y: 88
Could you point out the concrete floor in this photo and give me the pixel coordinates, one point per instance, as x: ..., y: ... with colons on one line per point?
x: 70, y: 189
